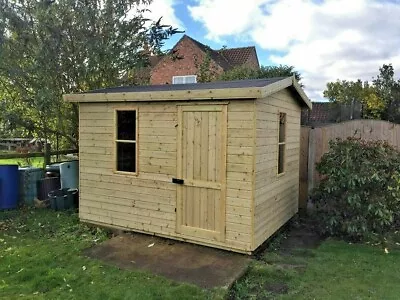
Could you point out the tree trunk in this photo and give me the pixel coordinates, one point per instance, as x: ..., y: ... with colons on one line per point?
x: 47, y: 157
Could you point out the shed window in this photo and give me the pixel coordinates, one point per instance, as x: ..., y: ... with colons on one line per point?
x: 125, y: 143
x: 184, y: 79
x: 281, y: 142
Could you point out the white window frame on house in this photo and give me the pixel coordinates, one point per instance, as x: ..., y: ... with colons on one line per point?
x: 184, y: 79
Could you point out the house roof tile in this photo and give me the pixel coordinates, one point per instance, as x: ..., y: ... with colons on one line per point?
x: 227, y: 58
x: 238, y: 56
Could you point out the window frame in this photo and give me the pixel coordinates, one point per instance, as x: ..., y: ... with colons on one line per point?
x: 184, y: 76
x: 116, y: 141
x: 281, y: 144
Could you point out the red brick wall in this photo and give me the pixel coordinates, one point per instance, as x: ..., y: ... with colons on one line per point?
x: 162, y: 73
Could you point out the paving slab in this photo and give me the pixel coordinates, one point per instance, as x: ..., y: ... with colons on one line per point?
x: 179, y: 261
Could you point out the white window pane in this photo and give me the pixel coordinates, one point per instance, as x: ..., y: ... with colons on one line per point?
x: 177, y: 79
x: 184, y: 79
x: 190, y: 79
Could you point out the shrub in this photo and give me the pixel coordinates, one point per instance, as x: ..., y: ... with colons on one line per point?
x: 359, y: 195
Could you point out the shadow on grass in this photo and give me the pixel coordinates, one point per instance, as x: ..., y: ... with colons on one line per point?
x: 278, y: 261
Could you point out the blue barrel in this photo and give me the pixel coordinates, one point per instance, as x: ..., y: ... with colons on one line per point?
x: 9, y: 184
x: 28, y: 178
x: 69, y: 175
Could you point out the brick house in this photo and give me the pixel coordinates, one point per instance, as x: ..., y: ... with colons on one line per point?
x: 183, y: 66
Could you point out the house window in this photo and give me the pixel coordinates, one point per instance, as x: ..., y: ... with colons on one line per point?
x: 281, y: 142
x: 184, y: 79
x: 125, y: 143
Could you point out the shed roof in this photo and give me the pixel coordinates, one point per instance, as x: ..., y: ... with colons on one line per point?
x: 237, y: 89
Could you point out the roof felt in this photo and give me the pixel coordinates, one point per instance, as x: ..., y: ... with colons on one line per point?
x: 250, y: 83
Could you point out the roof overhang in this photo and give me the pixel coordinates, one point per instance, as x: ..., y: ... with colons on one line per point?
x: 196, y: 94
x: 289, y: 82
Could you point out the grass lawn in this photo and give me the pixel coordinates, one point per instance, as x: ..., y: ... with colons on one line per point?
x: 34, y: 162
x: 40, y: 258
x: 335, y: 270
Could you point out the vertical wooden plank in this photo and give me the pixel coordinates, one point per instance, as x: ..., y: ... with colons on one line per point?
x: 211, y: 209
x: 185, y: 120
x: 256, y: 117
x: 204, y: 170
x: 303, y: 167
x: 196, y: 167
x: 185, y: 168
x: 217, y: 168
x: 190, y: 165
x: 179, y: 189
x: 204, y: 145
x: 311, y: 160
x: 218, y: 147
x: 211, y: 146
x: 223, y: 148
x: 212, y: 116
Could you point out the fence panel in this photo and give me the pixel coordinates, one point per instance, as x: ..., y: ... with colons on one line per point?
x: 318, y: 144
x: 303, y: 185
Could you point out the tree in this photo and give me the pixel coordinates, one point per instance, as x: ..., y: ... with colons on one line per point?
x: 206, y: 70
x: 380, y: 99
x: 388, y: 90
x: 48, y: 48
x: 279, y: 71
x: 244, y: 72
x: 352, y: 92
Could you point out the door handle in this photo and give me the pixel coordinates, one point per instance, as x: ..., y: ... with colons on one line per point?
x: 178, y: 181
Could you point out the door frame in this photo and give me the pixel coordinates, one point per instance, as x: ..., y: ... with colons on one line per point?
x: 192, y: 231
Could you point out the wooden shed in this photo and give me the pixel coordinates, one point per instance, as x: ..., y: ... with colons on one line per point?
x: 215, y: 164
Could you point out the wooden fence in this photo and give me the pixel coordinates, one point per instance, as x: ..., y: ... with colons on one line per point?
x: 36, y: 154
x: 315, y: 142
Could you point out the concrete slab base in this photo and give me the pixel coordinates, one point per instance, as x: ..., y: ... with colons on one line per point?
x: 184, y: 262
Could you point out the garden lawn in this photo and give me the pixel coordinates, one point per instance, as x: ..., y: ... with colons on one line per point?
x: 34, y: 162
x: 334, y: 270
x: 40, y: 258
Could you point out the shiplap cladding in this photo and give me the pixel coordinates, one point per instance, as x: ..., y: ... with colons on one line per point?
x: 276, y: 196
x: 146, y: 202
x: 247, y: 200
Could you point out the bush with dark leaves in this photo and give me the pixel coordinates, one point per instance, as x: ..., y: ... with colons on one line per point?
x: 359, y: 194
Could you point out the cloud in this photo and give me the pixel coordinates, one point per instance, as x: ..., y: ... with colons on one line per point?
x: 225, y: 17
x: 325, y: 40
x: 166, y: 10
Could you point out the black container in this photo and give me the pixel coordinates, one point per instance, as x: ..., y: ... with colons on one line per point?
x: 62, y: 199
x: 53, y: 170
x: 46, y: 185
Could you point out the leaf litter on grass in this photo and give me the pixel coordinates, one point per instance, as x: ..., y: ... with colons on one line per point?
x: 50, y: 248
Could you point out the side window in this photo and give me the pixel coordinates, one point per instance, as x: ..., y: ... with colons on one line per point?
x: 125, y: 143
x: 281, y: 142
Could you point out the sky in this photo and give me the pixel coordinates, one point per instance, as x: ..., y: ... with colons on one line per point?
x: 325, y: 40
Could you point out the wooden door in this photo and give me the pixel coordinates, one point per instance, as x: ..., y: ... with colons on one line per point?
x: 201, y: 164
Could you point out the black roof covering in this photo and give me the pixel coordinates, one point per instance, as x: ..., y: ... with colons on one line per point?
x: 248, y: 83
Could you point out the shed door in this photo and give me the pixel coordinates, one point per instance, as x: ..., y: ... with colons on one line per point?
x: 202, y: 167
